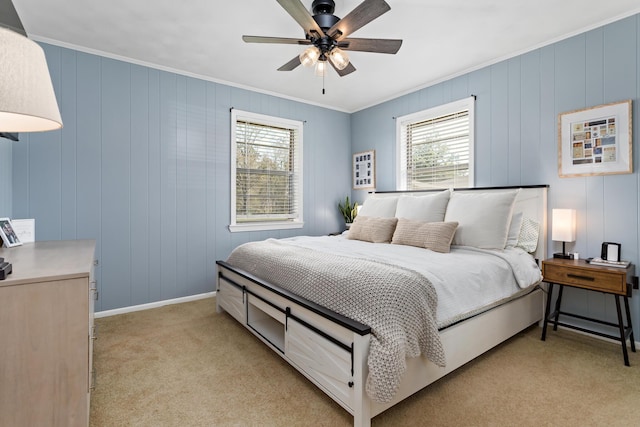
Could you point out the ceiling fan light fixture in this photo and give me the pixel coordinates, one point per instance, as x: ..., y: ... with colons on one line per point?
x: 321, y: 68
x: 339, y: 58
x: 310, y: 56
x: 324, y: 32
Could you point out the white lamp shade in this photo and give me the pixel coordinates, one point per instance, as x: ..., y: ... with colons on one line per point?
x: 27, y: 100
x: 563, y: 225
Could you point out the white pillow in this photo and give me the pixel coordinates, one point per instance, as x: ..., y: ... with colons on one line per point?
x: 514, y: 229
x: 380, y: 207
x: 483, y: 218
x: 430, y: 208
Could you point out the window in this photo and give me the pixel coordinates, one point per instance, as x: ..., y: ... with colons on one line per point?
x: 266, y: 172
x: 435, y: 147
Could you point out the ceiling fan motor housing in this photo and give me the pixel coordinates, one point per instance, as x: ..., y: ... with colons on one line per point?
x: 323, y: 6
x: 323, y: 13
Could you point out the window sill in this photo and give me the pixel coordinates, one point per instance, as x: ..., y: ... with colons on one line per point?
x: 265, y: 226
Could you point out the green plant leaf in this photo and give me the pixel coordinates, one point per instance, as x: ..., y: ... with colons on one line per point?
x: 348, y: 210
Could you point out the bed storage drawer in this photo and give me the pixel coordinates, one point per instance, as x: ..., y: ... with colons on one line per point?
x: 327, y: 363
x: 266, y: 320
x: 231, y: 298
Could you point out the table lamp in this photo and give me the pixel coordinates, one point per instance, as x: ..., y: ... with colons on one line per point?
x: 563, y: 229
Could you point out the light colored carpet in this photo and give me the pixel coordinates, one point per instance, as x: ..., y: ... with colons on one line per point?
x: 186, y: 365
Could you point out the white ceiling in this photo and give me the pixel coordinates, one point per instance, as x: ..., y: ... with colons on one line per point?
x: 442, y: 39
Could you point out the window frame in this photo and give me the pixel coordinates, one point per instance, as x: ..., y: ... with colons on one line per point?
x: 432, y: 113
x: 266, y: 120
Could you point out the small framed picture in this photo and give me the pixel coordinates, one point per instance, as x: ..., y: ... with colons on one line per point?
x: 9, y: 237
x: 364, y: 172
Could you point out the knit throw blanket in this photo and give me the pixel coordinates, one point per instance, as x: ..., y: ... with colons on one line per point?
x: 398, y: 304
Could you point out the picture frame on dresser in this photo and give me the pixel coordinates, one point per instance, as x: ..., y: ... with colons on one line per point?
x: 9, y: 236
x: 596, y: 140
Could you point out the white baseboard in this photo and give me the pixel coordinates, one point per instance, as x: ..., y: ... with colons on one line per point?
x: 150, y: 305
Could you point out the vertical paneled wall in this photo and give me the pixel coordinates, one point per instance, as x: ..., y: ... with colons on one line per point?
x: 517, y: 105
x: 142, y: 164
x: 6, y: 169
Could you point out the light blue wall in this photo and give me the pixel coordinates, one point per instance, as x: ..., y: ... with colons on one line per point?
x: 518, y: 102
x: 143, y: 166
x: 6, y: 169
x: 142, y: 163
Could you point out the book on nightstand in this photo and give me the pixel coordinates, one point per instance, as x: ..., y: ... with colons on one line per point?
x: 619, y: 264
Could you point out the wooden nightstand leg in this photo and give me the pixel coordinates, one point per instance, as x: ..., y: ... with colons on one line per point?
x: 557, y: 312
x: 629, y: 325
x: 623, y: 340
x: 546, y: 312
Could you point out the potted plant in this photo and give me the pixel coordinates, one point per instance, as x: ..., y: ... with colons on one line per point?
x: 348, y: 210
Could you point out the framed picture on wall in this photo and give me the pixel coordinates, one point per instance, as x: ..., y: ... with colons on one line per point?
x: 9, y: 237
x: 364, y: 170
x: 595, y: 141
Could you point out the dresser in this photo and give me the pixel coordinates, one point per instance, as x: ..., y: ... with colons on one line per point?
x: 46, y: 334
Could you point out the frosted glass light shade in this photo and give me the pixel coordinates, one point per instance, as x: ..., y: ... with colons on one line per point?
x: 339, y: 58
x: 563, y: 225
x: 27, y: 100
x: 310, y: 56
x: 321, y: 68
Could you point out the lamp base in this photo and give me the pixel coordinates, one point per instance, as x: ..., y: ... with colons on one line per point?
x: 561, y: 255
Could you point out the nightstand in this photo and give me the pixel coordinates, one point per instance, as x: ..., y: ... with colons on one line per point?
x: 579, y: 274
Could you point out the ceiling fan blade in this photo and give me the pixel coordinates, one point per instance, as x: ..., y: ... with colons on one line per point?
x: 371, y: 45
x: 299, y: 12
x: 348, y: 69
x: 290, y: 65
x: 364, y: 13
x: 279, y: 40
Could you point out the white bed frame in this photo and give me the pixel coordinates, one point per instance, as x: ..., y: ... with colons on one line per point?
x: 331, y: 350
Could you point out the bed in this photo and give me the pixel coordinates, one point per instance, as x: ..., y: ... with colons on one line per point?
x: 324, y: 303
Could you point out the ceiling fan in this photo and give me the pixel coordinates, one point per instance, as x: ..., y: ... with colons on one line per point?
x: 327, y: 35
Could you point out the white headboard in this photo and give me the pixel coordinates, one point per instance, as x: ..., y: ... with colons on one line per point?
x: 531, y: 201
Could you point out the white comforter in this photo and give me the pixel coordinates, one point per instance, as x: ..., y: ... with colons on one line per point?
x: 467, y: 280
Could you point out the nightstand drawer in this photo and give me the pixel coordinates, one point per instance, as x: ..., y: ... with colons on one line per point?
x: 596, y: 279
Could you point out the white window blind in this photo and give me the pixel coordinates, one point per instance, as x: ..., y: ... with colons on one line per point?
x: 266, y: 172
x: 436, y: 147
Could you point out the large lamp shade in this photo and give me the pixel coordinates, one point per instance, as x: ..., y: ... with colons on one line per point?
x: 27, y: 99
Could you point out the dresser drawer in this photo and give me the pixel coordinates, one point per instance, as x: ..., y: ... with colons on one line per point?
x: 596, y: 279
